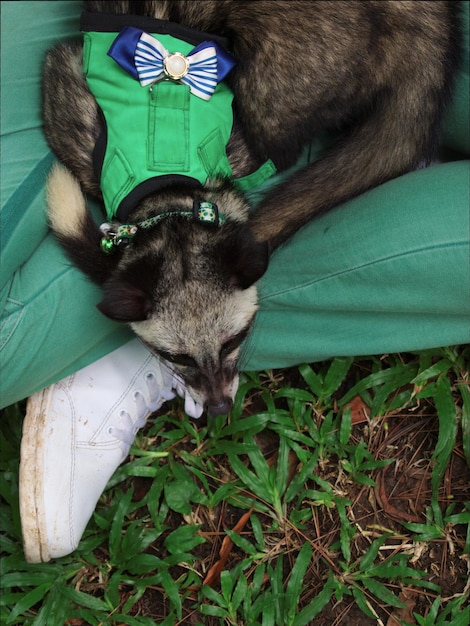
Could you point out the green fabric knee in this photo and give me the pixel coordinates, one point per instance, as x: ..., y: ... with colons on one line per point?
x: 386, y: 272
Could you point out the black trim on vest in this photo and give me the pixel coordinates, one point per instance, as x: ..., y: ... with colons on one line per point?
x: 112, y: 23
x: 149, y: 186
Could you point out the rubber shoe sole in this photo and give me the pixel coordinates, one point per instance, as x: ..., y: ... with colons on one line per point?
x: 31, y: 476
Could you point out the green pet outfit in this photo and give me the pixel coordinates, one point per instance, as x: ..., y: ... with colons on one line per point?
x: 388, y: 271
x: 140, y: 153
x: 152, y: 88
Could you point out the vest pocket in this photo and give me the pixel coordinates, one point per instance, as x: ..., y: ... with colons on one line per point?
x: 168, y: 147
x: 116, y: 181
x: 210, y: 152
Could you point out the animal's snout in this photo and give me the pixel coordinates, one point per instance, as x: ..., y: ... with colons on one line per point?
x: 219, y: 407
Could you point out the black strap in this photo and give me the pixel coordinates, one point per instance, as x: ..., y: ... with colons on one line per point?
x: 112, y: 23
x: 150, y: 186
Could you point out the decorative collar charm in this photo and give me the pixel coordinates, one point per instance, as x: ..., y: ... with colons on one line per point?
x: 204, y: 212
x: 148, y: 61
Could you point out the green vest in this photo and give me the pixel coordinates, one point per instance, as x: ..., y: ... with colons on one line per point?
x: 157, y: 131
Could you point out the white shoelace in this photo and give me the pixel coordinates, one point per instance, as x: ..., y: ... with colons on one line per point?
x: 157, y: 396
x: 191, y: 407
x: 130, y: 426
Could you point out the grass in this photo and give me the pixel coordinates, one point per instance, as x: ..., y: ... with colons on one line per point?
x: 335, y: 493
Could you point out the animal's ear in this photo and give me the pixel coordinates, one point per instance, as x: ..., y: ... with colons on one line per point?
x: 125, y: 302
x: 245, y: 258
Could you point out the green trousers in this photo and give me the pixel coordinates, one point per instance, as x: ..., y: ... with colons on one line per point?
x: 386, y: 272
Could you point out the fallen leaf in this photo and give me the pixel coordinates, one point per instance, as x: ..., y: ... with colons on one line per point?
x: 360, y: 412
x: 390, y: 510
x: 408, y: 597
x: 213, y: 575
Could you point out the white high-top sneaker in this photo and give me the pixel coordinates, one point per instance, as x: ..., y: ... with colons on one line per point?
x: 75, y: 434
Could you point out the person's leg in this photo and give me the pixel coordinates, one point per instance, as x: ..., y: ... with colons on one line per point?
x: 49, y: 326
x: 387, y: 272
x: 28, y: 29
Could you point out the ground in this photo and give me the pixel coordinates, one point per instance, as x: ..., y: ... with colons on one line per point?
x: 334, y: 494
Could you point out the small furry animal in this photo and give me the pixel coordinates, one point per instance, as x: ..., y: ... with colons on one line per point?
x: 376, y: 74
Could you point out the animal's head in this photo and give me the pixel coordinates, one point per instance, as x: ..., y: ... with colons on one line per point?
x: 188, y: 291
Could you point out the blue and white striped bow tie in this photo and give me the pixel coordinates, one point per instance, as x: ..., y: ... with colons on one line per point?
x: 147, y: 60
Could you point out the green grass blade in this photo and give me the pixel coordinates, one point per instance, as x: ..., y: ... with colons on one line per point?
x: 295, y: 394
x: 183, y: 539
x: 345, y: 427
x: 465, y: 420
x: 28, y: 579
x: 115, y: 535
x: 296, y: 485
x: 250, y: 479
x: 143, y: 564
x: 276, y: 579
x: 282, y: 466
x: 361, y: 602
x: 335, y: 375
x: 371, y: 554
x: 295, y: 584
x: 440, y: 367
x: 178, y: 495
x: 84, y: 599
x: 253, y: 424
x: 446, y: 412
x: 462, y: 618
x: 260, y: 466
x: 433, y: 611
x: 172, y: 591
x: 313, y: 380
x: 316, y: 606
x: 346, y: 531
x: 393, y: 378
x: 268, y: 613
x: 55, y: 608
x: 27, y: 601
x: 239, y: 592
x: 242, y: 543
x: 382, y: 593
x: 399, y: 376
x: 212, y: 595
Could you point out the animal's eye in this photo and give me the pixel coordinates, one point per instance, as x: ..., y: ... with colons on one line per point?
x: 232, y: 344
x: 178, y: 359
